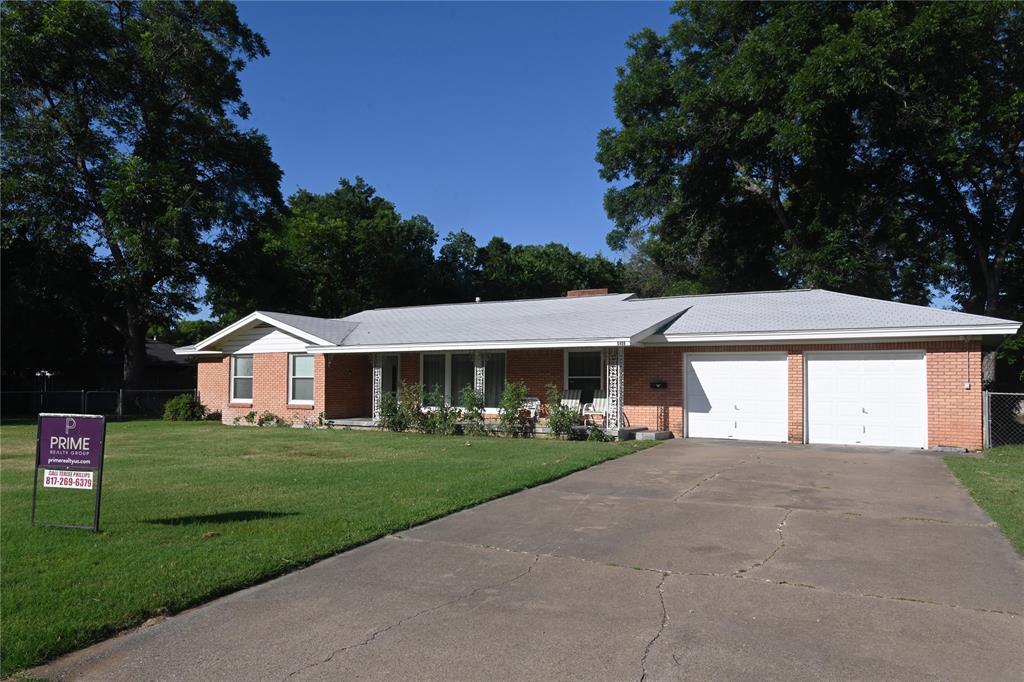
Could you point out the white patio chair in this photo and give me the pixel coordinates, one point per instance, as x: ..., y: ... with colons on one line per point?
x: 571, y: 399
x: 532, y: 405
x: 597, y: 408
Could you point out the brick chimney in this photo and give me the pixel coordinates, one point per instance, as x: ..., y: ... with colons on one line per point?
x: 577, y: 293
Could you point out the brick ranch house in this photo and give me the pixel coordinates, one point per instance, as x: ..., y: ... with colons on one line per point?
x: 797, y: 366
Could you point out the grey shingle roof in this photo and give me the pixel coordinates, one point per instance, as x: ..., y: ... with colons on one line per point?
x: 580, y: 319
x: 334, y: 331
x: 808, y: 310
x: 566, y: 321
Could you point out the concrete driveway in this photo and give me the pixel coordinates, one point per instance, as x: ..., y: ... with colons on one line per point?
x: 698, y: 560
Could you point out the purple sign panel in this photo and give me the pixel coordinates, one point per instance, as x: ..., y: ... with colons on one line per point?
x: 71, y: 441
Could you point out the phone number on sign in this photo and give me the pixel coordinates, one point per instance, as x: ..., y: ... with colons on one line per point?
x: 81, y: 480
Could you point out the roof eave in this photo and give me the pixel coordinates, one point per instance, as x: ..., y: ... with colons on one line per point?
x: 472, y: 345
x: 841, y: 334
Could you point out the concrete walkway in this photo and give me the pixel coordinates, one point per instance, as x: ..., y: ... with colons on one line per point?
x: 689, y: 561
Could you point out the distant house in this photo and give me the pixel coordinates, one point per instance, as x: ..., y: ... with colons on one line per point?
x: 798, y: 366
x: 165, y: 368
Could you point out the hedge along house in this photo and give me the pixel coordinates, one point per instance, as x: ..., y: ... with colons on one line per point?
x: 798, y: 366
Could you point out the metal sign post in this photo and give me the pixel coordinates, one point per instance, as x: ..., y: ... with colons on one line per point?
x: 69, y: 450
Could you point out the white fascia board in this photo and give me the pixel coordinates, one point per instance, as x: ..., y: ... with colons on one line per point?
x: 847, y: 334
x: 190, y: 350
x: 260, y: 317
x: 471, y: 346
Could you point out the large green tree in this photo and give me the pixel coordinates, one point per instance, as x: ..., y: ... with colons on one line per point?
x: 121, y: 139
x: 329, y: 255
x: 874, y: 148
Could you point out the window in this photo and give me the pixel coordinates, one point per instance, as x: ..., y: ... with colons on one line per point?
x: 494, y: 379
x: 241, y: 378
x: 462, y: 376
x: 583, y: 372
x: 300, y: 379
x: 433, y: 376
x: 450, y: 373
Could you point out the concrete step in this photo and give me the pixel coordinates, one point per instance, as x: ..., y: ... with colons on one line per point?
x: 653, y: 435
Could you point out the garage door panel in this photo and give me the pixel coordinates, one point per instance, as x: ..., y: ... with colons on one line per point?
x: 867, y: 398
x: 736, y: 395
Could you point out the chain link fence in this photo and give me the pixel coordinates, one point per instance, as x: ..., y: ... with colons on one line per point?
x: 1004, y: 418
x: 118, y: 403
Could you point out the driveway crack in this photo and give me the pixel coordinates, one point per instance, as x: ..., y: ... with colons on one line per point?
x: 779, y: 545
x: 391, y: 626
x: 704, y: 480
x: 661, y: 628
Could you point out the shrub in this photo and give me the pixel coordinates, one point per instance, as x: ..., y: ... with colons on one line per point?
x: 393, y: 415
x: 596, y: 434
x: 561, y: 418
x: 268, y: 418
x: 402, y: 411
x: 472, y: 406
x: 184, y: 408
x: 438, y: 419
x: 510, y: 410
x: 410, y: 398
x: 214, y: 416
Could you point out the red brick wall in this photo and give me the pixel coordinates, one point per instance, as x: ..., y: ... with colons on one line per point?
x: 212, y: 382
x: 536, y: 368
x: 269, y: 388
x: 409, y: 368
x: 660, y: 409
x: 795, y: 371
x: 348, y: 388
x: 954, y: 414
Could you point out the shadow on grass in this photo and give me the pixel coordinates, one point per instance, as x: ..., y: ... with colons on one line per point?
x: 223, y: 517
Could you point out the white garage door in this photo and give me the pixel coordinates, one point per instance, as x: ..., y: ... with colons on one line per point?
x: 867, y: 398
x: 736, y: 395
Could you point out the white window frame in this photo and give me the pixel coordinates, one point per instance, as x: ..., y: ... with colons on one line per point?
x: 565, y: 366
x: 232, y: 376
x: 448, y: 373
x: 292, y: 377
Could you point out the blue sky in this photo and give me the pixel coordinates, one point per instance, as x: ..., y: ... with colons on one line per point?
x: 480, y: 116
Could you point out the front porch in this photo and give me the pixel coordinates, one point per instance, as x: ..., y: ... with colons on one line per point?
x: 351, y: 403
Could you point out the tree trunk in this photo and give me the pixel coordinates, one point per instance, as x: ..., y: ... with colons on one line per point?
x: 135, y: 355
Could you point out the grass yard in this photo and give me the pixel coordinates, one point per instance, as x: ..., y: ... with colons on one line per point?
x: 192, y: 511
x: 996, y: 482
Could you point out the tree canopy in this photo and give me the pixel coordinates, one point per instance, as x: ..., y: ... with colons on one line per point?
x: 337, y: 253
x: 874, y: 148
x: 121, y: 143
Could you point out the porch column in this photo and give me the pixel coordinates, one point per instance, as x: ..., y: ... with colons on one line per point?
x: 614, y: 362
x: 479, y: 374
x: 377, y: 385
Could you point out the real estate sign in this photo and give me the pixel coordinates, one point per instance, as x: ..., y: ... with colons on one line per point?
x: 69, y: 450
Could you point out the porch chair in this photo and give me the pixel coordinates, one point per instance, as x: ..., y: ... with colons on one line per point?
x: 571, y: 399
x: 597, y: 408
x: 531, y: 405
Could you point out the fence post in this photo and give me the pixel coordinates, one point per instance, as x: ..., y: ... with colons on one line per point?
x: 82, y: 401
x: 986, y: 419
x: 120, y: 398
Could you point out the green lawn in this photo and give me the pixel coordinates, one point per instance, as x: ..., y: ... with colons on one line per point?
x: 193, y: 511
x: 996, y: 482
